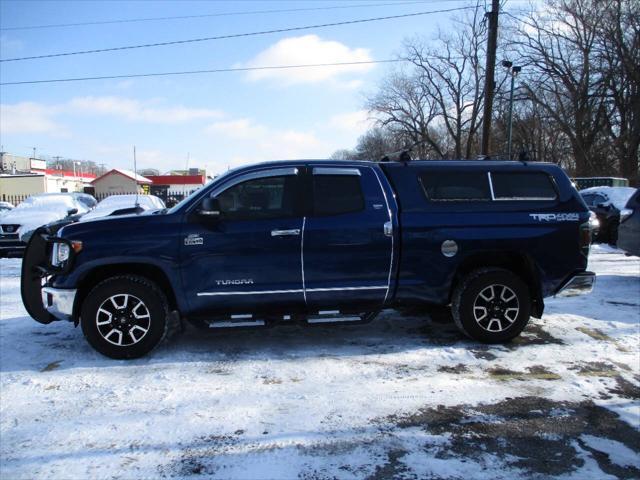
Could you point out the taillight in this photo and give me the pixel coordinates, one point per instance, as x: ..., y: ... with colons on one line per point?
x: 625, y: 213
x: 585, y: 238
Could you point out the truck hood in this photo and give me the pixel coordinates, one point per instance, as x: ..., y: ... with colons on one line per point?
x: 127, y: 224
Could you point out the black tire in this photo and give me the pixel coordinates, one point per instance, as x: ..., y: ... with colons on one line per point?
x: 128, y: 292
x: 501, y: 323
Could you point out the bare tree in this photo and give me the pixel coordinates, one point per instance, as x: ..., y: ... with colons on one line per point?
x: 406, y: 109
x: 437, y: 104
x: 619, y: 52
x: 563, y: 76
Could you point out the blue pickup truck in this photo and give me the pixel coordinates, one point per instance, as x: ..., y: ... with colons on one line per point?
x: 320, y: 242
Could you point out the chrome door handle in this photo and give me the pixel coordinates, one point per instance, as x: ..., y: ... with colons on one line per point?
x: 285, y: 233
x: 388, y: 229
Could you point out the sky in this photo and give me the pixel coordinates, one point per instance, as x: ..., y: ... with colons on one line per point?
x: 212, y: 121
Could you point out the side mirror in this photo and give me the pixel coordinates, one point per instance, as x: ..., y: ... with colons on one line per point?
x: 72, y: 211
x: 210, y: 207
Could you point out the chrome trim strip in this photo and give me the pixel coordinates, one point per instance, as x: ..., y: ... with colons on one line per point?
x: 493, y: 195
x: 297, y: 290
x: 525, y: 199
x: 386, y: 201
x: 336, y: 171
x: 304, y: 288
x: 338, y: 289
x: 254, y: 292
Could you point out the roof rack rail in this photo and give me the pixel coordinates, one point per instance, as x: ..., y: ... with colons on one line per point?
x: 399, y: 156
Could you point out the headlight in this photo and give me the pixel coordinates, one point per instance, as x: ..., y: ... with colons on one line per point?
x: 61, y: 252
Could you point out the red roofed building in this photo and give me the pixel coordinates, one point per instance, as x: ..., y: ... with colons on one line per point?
x: 119, y: 181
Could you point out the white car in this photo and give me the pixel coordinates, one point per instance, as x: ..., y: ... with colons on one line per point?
x: 124, y: 205
x: 5, y: 207
x: 18, y: 224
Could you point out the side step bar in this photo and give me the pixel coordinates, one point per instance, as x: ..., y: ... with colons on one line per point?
x: 322, y: 317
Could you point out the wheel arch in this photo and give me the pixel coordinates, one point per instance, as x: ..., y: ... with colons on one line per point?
x: 152, y: 273
x: 519, y: 263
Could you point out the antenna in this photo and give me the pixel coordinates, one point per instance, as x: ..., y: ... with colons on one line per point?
x: 135, y: 175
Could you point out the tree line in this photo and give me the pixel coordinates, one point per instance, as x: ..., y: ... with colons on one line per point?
x: 576, y: 98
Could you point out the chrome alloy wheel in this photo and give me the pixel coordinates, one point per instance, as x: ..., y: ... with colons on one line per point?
x: 496, y: 308
x: 123, y: 320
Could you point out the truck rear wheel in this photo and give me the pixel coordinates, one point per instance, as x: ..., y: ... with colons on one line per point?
x: 491, y: 305
x: 124, y: 317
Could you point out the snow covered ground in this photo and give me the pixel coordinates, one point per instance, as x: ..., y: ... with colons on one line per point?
x: 403, y: 397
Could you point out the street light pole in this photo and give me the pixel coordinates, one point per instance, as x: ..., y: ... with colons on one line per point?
x: 513, y: 70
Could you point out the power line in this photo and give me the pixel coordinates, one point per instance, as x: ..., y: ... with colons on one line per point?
x: 238, y: 35
x: 220, y: 14
x: 196, y: 72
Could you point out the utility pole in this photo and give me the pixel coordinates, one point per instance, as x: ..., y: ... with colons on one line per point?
x: 489, y: 81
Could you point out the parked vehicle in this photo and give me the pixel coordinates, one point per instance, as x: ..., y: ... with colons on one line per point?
x: 320, y: 242
x: 124, y: 205
x: 17, y: 225
x: 629, y: 229
x: 606, y: 203
x: 5, y: 207
x: 87, y: 200
x: 588, y: 182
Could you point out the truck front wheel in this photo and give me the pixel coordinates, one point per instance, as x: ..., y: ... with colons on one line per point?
x: 124, y: 316
x: 491, y: 305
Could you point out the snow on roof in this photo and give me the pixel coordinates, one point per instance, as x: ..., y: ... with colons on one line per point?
x: 127, y: 173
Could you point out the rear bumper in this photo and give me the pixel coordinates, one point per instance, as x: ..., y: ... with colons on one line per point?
x: 578, y: 284
x: 59, y: 302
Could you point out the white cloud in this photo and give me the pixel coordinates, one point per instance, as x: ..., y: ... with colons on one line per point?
x: 308, y: 49
x: 262, y: 143
x: 29, y: 117
x: 351, y: 123
x: 135, y: 110
x: 241, y: 129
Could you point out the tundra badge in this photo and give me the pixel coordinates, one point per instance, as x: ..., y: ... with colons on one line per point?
x: 193, y: 239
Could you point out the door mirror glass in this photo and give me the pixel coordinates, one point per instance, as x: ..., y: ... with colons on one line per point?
x: 72, y: 211
x: 210, y: 207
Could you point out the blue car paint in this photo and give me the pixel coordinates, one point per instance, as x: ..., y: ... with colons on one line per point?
x: 349, y: 263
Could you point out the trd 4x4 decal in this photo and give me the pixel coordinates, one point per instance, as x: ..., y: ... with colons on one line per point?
x: 555, y: 217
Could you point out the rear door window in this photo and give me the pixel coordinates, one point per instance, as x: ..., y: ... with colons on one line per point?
x: 455, y: 186
x: 337, y: 194
x: 522, y: 186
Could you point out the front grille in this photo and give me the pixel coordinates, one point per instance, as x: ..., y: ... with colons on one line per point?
x: 9, y: 228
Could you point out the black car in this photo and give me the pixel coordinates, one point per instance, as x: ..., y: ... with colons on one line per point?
x: 629, y: 229
x: 606, y: 203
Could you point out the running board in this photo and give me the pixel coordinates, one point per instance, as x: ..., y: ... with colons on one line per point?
x: 331, y: 317
x: 241, y: 323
